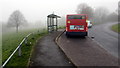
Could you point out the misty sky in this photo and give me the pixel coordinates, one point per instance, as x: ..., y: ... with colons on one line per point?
x: 37, y: 10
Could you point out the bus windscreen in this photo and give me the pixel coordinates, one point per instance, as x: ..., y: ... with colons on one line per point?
x: 76, y: 17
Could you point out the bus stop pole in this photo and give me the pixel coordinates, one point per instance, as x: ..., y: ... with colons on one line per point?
x: 56, y: 24
x: 52, y: 24
x: 48, y: 24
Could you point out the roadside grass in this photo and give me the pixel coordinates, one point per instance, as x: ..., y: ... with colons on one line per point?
x: 0, y: 49
x: 11, y: 41
x: 116, y: 28
x: 61, y: 27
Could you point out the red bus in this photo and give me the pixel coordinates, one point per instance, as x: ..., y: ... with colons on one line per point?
x: 76, y: 24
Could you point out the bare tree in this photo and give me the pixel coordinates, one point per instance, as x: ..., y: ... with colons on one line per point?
x: 100, y: 14
x: 83, y: 8
x: 16, y: 19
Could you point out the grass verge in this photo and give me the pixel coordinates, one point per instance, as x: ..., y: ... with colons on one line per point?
x: 62, y: 27
x: 12, y: 40
x: 0, y: 49
x: 116, y: 28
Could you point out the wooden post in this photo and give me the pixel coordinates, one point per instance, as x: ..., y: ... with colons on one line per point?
x: 19, y: 51
x: 26, y: 41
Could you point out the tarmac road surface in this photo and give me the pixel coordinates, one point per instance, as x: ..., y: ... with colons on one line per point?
x: 107, y: 38
x: 86, y: 52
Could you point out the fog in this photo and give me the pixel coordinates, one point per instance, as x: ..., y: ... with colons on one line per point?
x: 36, y: 11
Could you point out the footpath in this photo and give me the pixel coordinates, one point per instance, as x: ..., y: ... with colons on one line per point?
x: 46, y: 53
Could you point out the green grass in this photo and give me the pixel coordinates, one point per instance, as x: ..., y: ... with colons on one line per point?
x: 61, y: 27
x: 11, y: 41
x: 116, y: 28
x: 0, y: 49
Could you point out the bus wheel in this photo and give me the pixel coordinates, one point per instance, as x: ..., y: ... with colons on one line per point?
x: 67, y: 35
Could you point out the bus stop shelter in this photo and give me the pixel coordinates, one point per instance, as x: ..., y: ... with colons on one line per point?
x: 52, y: 22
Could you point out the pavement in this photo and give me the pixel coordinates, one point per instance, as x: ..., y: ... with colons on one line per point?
x: 46, y: 53
x: 86, y: 52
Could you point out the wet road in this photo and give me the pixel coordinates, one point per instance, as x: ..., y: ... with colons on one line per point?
x: 47, y: 53
x: 105, y: 37
x: 86, y: 52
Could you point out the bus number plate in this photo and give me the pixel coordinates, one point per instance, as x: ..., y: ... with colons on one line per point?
x: 76, y: 27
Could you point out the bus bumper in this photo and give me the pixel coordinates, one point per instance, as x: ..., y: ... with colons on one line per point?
x: 76, y: 33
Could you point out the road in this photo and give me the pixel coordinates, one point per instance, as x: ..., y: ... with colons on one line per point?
x: 83, y: 51
x: 107, y: 38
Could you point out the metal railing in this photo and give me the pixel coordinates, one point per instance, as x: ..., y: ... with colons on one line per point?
x: 25, y: 40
